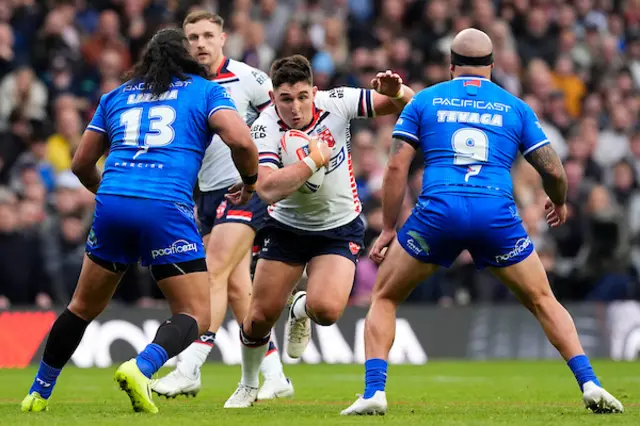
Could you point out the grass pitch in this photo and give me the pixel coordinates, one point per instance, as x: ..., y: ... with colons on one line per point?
x: 438, y: 393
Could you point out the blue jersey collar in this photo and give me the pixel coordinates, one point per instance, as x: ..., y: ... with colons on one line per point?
x: 471, y: 76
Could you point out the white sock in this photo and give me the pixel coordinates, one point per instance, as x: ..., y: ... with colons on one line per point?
x: 300, y: 308
x: 193, y: 357
x: 251, y: 360
x: 271, y: 365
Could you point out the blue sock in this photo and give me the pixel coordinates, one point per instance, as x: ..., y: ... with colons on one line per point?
x: 151, y: 359
x: 45, y: 380
x: 581, y: 368
x: 375, y: 376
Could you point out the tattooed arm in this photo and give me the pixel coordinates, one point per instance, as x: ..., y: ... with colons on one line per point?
x: 549, y: 166
x: 395, y: 181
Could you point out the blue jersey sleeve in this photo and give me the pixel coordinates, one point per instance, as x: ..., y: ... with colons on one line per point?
x: 408, y: 125
x: 99, y: 122
x: 219, y: 99
x: 532, y: 136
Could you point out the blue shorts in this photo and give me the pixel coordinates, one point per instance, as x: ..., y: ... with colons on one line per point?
x: 291, y: 245
x: 214, y: 209
x: 443, y: 226
x: 126, y: 230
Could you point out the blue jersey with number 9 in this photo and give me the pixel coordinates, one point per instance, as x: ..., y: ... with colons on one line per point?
x: 157, y: 143
x: 470, y: 131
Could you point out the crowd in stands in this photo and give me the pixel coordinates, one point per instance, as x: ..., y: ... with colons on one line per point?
x: 576, y: 63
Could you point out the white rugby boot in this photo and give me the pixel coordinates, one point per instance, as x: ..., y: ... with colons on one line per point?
x: 243, y: 397
x: 275, y: 387
x: 376, y: 405
x: 297, y: 332
x: 598, y: 400
x: 177, y: 383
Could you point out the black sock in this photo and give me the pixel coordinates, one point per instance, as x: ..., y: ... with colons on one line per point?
x: 64, y: 338
x: 176, y: 333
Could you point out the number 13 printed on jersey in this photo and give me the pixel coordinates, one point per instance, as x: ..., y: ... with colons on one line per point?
x: 160, y: 133
x: 471, y: 146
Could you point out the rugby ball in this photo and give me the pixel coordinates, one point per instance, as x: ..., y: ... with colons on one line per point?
x: 294, y: 147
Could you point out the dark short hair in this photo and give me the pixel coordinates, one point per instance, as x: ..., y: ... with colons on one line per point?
x: 203, y: 15
x: 291, y: 70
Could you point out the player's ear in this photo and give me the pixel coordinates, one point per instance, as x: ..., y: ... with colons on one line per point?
x: 315, y: 90
x: 272, y: 96
x: 223, y: 38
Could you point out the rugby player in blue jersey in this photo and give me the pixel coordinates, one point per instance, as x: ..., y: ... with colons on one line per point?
x: 156, y: 128
x: 470, y: 131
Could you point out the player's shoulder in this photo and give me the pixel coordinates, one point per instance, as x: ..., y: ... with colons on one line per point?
x: 246, y: 71
x: 333, y: 98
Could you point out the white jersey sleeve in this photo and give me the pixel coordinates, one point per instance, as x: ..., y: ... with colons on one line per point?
x: 266, y: 135
x: 259, y: 87
x: 347, y: 102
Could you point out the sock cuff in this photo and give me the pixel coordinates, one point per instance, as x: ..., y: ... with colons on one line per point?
x: 578, y: 359
x: 251, y: 342
x: 375, y: 364
x: 47, y: 369
x: 162, y: 352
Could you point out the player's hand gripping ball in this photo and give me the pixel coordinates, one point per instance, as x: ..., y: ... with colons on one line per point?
x: 294, y: 147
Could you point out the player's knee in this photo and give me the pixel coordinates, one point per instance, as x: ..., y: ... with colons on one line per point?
x: 263, y: 317
x: 85, y: 309
x: 324, y: 313
x: 219, y: 270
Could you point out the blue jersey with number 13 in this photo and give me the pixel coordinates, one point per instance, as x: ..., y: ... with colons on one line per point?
x: 157, y: 143
x: 470, y: 131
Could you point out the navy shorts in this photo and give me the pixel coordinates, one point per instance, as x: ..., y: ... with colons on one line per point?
x: 214, y: 209
x: 443, y: 225
x: 126, y: 230
x: 291, y: 245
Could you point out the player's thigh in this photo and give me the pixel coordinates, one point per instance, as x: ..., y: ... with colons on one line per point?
x: 329, y: 284
x: 239, y: 292
x: 97, y: 282
x: 233, y: 234
x: 272, y: 284
x: 399, y: 274
x: 228, y: 244
x: 527, y: 279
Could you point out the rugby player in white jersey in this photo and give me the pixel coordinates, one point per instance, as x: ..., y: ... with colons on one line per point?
x: 228, y: 231
x: 322, y: 231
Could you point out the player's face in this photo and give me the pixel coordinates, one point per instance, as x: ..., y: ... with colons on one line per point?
x: 295, y: 103
x: 206, y: 40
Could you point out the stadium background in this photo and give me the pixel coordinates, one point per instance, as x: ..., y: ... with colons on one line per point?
x: 576, y: 63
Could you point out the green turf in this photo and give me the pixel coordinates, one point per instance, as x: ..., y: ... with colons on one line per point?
x: 439, y: 393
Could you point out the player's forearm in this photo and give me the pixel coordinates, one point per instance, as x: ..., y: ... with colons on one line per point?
x: 556, y: 188
x: 279, y: 184
x: 549, y: 166
x: 90, y: 177
x: 407, y: 94
x: 245, y: 158
x: 393, y: 189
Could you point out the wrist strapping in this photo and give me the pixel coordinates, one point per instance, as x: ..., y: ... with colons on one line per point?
x: 400, y: 94
x: 311, y: 164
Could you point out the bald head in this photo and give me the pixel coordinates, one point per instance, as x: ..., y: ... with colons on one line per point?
x: 471, y: 53
x: 473, y: 43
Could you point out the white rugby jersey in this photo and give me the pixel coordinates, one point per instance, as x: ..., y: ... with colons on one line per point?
x: 249, y: 88
x: 336, y: 203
